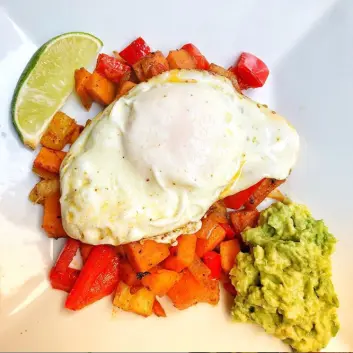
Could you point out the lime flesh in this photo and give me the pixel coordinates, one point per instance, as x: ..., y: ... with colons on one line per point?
x: 48, y: 80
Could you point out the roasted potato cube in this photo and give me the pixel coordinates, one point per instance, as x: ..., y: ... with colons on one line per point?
x: 76, y: 133
x: 58, y: 132
x: 81, y: 78
x: 52, y: 223
x: 43, y: 189
x: 151, y: 65
x: 122, y: 296
x: 181, y: 59
x: 141, y: 302
x: 219, y: 70
x: 44, y: 174
x: 100, y: 89
x: 49, y: 160
x: 125, y: 88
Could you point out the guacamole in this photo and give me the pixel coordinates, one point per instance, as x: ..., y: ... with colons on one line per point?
x: 284, y: 283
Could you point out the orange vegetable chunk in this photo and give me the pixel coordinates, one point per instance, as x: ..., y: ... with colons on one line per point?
x: 161, y: 281
x: 216, y: 236
x: 52, y: 217
x: 49, y: 160
x: 229, y: 251
x: 100, y: 89
x: 144, y: 256
x: 81, y: 78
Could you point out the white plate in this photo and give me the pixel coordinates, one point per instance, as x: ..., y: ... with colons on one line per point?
x: 308, y: 47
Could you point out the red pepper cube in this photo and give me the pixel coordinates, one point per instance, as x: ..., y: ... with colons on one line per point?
x: 135, y: 51
x: 111, y: 68
x: 97, y: 279
x: 251, y: 71
x: 213, y: 261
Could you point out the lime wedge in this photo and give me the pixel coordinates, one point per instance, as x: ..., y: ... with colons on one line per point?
x: 48, y: 80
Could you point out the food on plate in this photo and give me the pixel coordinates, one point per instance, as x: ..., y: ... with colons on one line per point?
x: 159, y: 192
x: 81, y: 78
x: 43, y: 189
x: 150, y: 65
x: 181, y: 59
x: 101, y: 89
x: 127, y: 157
x: 201, y: 61
x: 49, y: 160
x: 250, y: 71
x: 52, y: 223
x: 59, y: 132
x: 46, y: 82
x: 284, y: 283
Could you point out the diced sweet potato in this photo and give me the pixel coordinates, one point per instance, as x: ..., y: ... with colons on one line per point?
x: 219, y: 70
x: 210, y: 293
x: 151, y: 65
x: 81, y: 78
x: 199, y: 270
x: 158, y: 309
x: 44, y: 174
x: 265, y: 187
x: 85, y: 250
x: 144, y: 256
x: 125, y: 88
x: 128, y: 274
x: 243, y: 219
x: 100, y: 89
x: 184, y: 253
x: 216, y: 236
x: 43, y: 189
x: 208, y: 225
x: 180, y: 59
x: 52, y: 217
x: 142, y: 301
x: 58, y: 132
x: 76, y: 133
x: 161, y: 281
x: 49, y: 160
x: 186, y: 292
x: 229, y: 251
x: 122, y: 296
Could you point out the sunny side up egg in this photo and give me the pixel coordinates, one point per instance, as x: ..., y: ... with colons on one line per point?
x: 155, y: 161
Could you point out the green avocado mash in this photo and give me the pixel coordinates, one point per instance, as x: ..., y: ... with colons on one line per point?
x: 284, y: 283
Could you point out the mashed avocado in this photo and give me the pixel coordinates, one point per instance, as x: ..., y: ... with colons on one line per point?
x: 284, y: 283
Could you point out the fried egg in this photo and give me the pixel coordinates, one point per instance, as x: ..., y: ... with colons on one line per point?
x: 156, y: 159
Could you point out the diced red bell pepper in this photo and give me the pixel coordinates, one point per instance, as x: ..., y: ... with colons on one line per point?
x: 111, y: 68
x: 67, y: 254
x: 98, y: 278
x: 230, y: 233
x: 61, y: 275
x: 237, y: 200
x: 230, y: 288
x: 213, y: 261
x: 135, y: 51
x: 63, y: 280
x: 201, y: 61
x: 251, y: 71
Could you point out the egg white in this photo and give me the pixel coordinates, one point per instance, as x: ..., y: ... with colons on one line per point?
x: 159, y: 157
